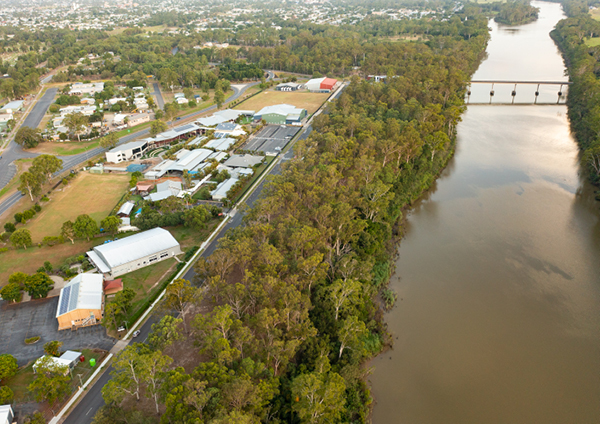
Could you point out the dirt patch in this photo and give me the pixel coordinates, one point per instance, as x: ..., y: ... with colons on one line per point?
x: 302, y: 99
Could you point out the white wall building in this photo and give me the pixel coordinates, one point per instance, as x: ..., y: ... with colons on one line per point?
x: 134, y: 252
x: 7, y: 415
x: 90, y: 89
x: 127, y: 151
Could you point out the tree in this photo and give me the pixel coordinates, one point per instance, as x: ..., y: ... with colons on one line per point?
x: 28, y: 137
x: 31, y: 183
x: 9, y: 227
x: 351, y: 333
x: 11, y: 292
x: 156, y: 127
x: 187, y: 178
x: 197, y: 217
x: 18, y: 278
x: 319, y: 397
x: 126, y: 376
x: 219, y: 98
x: 171, y: 110
x: 154, y: 367
x: 76, y: 123
x: 178, y: 295
x: 165, y: 332
x: 8, y: 366
x: 343, y: 293
x: 85, y: 226
x: 52, y: 381
x: 53, y: 348
x: 21, y: 237
x: 109, y: 141
x: 36, y: 418
x: 6, y: 395
x: 38, y: 285
x: 111, y: 224
x: 68, y: 231
x: 46, y: 166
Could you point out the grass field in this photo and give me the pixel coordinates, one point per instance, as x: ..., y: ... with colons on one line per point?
x: 592, y: 42
x: 92, y: 194
x: 143, y: 280
x: 309, y: 101
x: 65, y: 148
x: 595, y: 13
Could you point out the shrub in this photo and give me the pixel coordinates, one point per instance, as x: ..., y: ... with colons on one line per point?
x: 18, y: 217
x: 3, y: 249
x: 44, y: 199
x: 6, y: 395
x: 37, y: 208
x: 5, y: 236
x: 63, y: 136
x: 54, y: 108
x: 32, y: 340
x: 28, y: 214
x: 9, y: 227
x: 52, y: 240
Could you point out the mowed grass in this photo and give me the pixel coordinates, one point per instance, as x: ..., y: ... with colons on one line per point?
x: 592, y: 42
x: 595, y: 13
x: 144, y: 280
x: 309, y: 101
x: 30, y: 259
x: 66, y: 148
x: 92, y: 194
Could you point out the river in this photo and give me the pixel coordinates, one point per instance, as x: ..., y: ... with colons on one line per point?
x: 498, y: 276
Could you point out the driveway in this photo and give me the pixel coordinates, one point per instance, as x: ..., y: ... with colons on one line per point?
x: 38, y: 318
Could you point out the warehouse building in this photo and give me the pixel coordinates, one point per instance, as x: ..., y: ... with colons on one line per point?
x: 80, y: 88
x: 134, y: 252
x: 81, y: 302
x: 321, y: 85
x: 7, y: 415
x: 281, y: 114
x: 220, y: 193
x: 127, y: 151
x: 12, y: 107
x: 288, y: 86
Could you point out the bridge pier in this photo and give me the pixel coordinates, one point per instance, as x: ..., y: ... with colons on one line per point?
x: 513, y: 93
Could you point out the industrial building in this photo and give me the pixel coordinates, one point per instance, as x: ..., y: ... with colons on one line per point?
x: 220, y: 193
x: 176, y: 133
x: 243, y: 161
x: 187, y: 160
x: 11, y: 107
x: 81, y: 302
x: 280, y: 114
x: 138, y: 118
x: 321, y: 85
x: 221, y: 116
x: 80, y: 88
x: 127, y: 151
x: 165, y: 189
x: 134, y: 252
x: 288, y: 86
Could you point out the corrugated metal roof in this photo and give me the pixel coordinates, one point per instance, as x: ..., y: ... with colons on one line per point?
x: 126, y: 208
x: 82, y: 292
x: 128, y: 146
x: 282, y: 109
x: 135, y: 247
x: 98, y: 261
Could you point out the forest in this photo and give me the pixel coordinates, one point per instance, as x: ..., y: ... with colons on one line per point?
x: 516, y: 12
x: 292, y: 302
x: 583, y: 62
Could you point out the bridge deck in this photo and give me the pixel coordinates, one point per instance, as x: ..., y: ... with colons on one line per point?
x: 522, y: 82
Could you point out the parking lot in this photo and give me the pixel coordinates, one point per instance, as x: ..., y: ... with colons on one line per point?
x: 38, y: 318
x: 271, y: 139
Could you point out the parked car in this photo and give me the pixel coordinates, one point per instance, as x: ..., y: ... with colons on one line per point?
x: 136, y: 333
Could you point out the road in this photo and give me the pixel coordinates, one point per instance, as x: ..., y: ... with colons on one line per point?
x: 14, y: 151
x: 159, y: 98
x: 39, y: 110
x: 84, y: 412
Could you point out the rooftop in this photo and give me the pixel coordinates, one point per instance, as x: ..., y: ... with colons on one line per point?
x: 82, y: 292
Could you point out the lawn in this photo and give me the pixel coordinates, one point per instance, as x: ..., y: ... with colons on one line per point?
x: 309, y: 101
x: 593, y: 42
x: 188, y: 238
x: 595, y: 12
x: 66, y: 148
x: 30, y: 259
x: 92, y: 194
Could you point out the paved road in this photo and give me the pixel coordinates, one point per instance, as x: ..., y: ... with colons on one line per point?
x: 159, y: 98
x: 39, y: 110
x: 14, y: 151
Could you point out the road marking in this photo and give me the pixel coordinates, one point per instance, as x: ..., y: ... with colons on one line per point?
x: 88, y: 412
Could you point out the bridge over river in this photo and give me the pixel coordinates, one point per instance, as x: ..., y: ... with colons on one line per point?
x: 498, y: 92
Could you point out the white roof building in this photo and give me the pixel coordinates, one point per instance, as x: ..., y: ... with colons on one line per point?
x: 220, y: 192
x: 78, y: 297
x: 91, y: 88
x: 127, y: 151
x: 6, y: 414
x: 125, y: 209
x: 134, y: 252
x: 220, y: 144
x: 68, y: 359
x: 243, y: 161
x: 224, y: 116
x: 12, y: 106
x: 84, y: 110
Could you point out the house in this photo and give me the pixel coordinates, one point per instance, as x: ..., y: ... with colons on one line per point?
x: 68, y: 359
x: 125, y: 209
x: 165, y: 189
x: 137, y: 119
x: 88, y: 101
x: 181, y: 100
x: 280, y: 114
x: 321, y: 85
x: 81, y: 302
x: 119, y: 118
x: 288, y: 86
x: 84, y: 110
x: 4, y: 118
x: 89, y: 89
x: 7, y: 416
x: 127, y: 151
x: 11, y: 107
x: 377, y: 78
x: 113, y: 286
x: 134, y: 252
x: 223, y: 188
x: 243, y: 161
x: 178, y: 95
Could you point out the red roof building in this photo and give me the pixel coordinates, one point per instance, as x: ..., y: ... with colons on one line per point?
x: 328, y: 84
x: 113, y: 286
